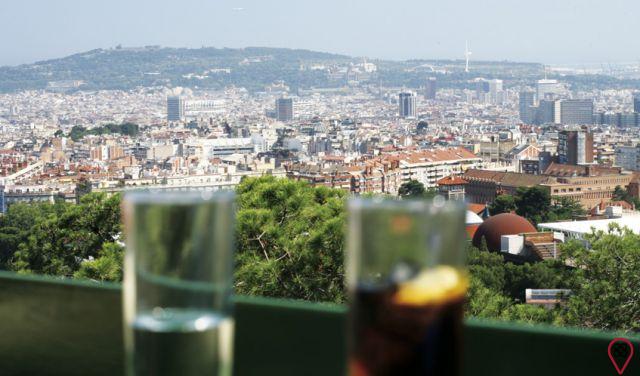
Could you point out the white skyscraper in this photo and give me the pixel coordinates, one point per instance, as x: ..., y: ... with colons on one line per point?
x: 496, y: 93
x: 544, y: 87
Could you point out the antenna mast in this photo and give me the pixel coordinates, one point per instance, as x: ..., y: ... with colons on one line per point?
x: 467, y: 53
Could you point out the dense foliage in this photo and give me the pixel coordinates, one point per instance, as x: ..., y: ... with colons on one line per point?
x: 414, y: 189
x: 64, y: 239
x: 290, y: 240
x: 537, y: 205
x: 125, y: 129
x: 622, y: 194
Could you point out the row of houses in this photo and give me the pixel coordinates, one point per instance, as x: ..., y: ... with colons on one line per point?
x: 387, y: 172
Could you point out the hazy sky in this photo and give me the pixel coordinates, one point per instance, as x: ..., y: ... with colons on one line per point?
x: 550, y: 31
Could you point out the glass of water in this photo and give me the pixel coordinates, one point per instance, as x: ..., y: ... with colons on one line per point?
x: 178, y: 283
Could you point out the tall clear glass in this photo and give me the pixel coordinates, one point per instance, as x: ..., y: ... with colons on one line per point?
x: 407, y: 285
x: 178, y: 282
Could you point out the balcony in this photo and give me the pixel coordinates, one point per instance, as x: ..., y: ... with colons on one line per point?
x: 52, y: 326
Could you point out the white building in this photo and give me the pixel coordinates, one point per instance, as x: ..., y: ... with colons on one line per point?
x: 429, y: 166
x: 544, y: 87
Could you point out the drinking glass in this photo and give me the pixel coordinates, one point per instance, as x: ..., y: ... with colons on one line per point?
x: 178, y: 283
x: 407, y: 285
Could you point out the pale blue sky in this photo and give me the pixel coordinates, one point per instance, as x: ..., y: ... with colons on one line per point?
x: 549, y: 31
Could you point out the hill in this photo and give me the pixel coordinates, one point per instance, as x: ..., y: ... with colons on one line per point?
x: 252, y: 68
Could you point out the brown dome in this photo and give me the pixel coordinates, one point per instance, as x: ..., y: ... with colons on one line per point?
x: 494, y: 227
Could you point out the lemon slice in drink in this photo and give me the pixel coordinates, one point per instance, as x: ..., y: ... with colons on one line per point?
x: 431, y: 286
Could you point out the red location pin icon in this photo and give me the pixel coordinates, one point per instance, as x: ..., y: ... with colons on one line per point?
x: 620, y: 352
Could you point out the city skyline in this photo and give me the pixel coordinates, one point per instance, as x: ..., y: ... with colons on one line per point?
x: 493, y: 29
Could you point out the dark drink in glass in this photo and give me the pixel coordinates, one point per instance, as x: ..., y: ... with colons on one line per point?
x: 406, y: 303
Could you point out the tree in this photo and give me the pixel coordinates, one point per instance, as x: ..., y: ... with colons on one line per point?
x: 61, y: 236
x: 533, y: 203
x: 564, y: 208
x: 77, y: 132
x: 607, y: 293
x: 412, y: 189
x: 106, y: 267
x: 503, y: 204
x: 497, y: 288
x: 622, y: 194
x: 422, y: 127
x: 290, y: 240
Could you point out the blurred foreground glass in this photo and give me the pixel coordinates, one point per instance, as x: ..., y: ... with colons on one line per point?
x: 407, y: 284
x: 178, y: 283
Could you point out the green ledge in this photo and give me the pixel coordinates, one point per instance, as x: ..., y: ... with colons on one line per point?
x: 64, y: 327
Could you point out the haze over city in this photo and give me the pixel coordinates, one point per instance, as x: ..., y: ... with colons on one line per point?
x: 545, y: 31
x: 339, y: 187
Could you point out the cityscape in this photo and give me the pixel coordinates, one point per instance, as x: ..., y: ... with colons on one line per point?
x: 358, y: 136
x: 362, y: 189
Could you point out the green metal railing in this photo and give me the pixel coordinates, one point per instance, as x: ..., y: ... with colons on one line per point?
x: 50, y: 326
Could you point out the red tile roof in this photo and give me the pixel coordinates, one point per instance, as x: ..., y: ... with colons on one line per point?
x: 451, y: 180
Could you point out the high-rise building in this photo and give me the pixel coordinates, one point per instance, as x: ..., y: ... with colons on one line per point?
x: 407, y: 105
x: 618, y: 119
x: 575, y: 147
x: 545, y: 112
x: 636, y: 102
x: 496, y: 94
x: 573, y: 111
x: 430, y: 88
x: 628, y: 157
x: 175, y: 108
x: 482, y: 88
x: 284, y: 109
x: 527, y: 109
x: 546, y: 88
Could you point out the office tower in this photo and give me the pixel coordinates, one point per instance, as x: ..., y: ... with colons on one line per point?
x: 627, y: 119
x: 482, y: 87
x: 407, y: 105
x: 618, y: 119
x: 527, y: 109
x: 636, y: 102
x: 175, y: 108
x: 628, y: 157
x: 545, y: 112
x: 574, y: 111
x: 546, y: 88
x: 284, y: 109
x: 496, y: 94
x: 575, y: 147
x: 430, y: 88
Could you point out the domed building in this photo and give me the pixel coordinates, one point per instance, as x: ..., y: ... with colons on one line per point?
x: 493, y: 228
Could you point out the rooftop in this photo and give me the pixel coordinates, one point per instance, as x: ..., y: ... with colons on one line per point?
x: 580, y: 228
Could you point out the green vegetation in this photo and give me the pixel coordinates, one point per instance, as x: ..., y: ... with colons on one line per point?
x: 537, y: 205
x: 125, y: 129
x: 290, y: 240
x: 414, y: 189
x: 64, y: 239
x: 255, y: 67
x: 621, y: 194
